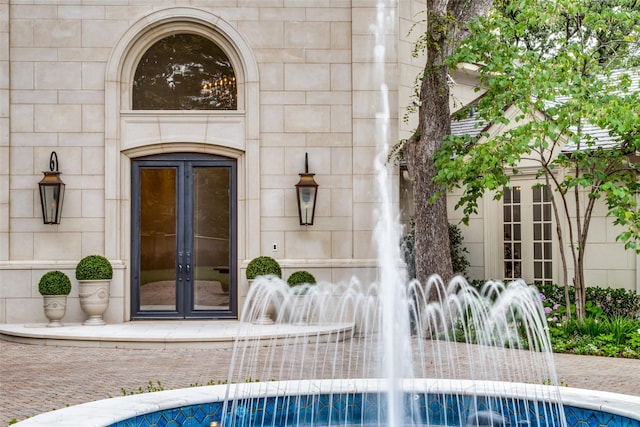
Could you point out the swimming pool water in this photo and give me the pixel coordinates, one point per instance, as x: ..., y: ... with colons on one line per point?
x: 367, y: 409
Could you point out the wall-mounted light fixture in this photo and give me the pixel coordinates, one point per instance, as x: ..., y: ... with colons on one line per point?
x: 306, y: 190
x: 51, y: 192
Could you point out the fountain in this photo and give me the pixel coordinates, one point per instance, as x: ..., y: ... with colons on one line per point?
x: 467, y: 358
x: 506, y: 359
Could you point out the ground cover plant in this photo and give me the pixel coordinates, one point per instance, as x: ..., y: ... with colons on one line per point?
x: 611, y: 326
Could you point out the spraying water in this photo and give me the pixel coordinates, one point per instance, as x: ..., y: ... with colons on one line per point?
x: 394, y: 319
x: 388, y: 336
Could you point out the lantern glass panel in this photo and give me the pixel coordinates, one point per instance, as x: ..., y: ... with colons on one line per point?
x: 51, y: 197
x: 306, y: 199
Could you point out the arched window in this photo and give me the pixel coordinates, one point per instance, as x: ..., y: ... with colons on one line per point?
x: 185, y: 72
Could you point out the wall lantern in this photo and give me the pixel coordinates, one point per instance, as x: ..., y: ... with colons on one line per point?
x: 51, y: 192
x: 307, y: 190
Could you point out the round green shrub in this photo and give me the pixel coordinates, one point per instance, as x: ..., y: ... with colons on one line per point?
x: 263, y: 266
x: 54, y: 283
x: 94, y: 267
x: 301, y: 277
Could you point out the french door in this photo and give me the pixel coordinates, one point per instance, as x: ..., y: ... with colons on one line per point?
x: 528, y: 234
x: 183, y: 237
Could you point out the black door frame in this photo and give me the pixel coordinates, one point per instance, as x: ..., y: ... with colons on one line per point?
x: 184, y: 163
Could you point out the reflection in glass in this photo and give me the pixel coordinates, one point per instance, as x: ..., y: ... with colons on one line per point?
x: 158, y: 239
x: 517, y: 249
x: 211, y: 215
x: 185, y: 72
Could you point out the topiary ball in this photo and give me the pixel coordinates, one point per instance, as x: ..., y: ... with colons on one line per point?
x: 54, y: 283
x: 301, y: 277
x: 263, y: 266
x: 94, y: 267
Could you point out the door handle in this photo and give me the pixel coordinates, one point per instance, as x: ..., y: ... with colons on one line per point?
x: 180, y: 264
x: 188, y: 265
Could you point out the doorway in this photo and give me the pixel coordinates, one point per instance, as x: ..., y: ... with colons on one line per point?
x: 183, y: 237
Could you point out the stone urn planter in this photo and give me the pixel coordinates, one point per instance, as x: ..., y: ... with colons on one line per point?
x: 259, y: 267
x: 94, y: 273
x: 54, y: 286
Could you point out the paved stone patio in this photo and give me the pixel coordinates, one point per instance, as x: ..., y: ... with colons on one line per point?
x: 35, y: 379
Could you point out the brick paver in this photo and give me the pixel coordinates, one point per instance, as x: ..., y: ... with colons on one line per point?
x: 35, y: 379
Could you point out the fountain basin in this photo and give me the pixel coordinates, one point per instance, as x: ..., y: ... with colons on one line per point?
x: 344, y: 402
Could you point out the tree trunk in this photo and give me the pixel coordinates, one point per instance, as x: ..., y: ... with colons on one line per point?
x: 446, y: 27
x: 432, y: 255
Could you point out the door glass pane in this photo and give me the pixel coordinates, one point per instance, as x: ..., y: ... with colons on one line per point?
x: 547, y: 212
x: 158, y: 239
x: 516, y: 213
x: 507, y: 213
x: 211, y: 238
x: 516, y: 232
x: 517, y: 249
x: 537, y: 231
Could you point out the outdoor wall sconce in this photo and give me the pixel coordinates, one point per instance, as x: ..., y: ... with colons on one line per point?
x: 51, y: 192
x: 306, y: 190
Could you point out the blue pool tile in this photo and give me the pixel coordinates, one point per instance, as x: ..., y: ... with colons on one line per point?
x: 357, y: 409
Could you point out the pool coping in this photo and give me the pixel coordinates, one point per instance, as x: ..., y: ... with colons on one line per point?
x: 102, y: 413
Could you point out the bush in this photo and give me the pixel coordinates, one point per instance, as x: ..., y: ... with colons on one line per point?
x: 612, y: 302
x: 300, y: 278
x: 54, y: 283
x: 263, y: 266
x: 458, y: 251
x: 615, y: 337
x: 94, y: 267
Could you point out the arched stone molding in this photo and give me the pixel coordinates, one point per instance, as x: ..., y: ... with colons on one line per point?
x: 130, y: 133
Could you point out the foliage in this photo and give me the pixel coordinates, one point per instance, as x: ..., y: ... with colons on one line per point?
x: 54, y: 283
x: 603, y: 336
x: 610, y: 301
x: 611, y: 326
x: 551, y: 74
x: 151, y: 387
x: 597, y: 334
x: 301, y: 277
x: 94, y: 267
x: 263, y: 266
x: 408, y: 247
x: 458, y: 250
